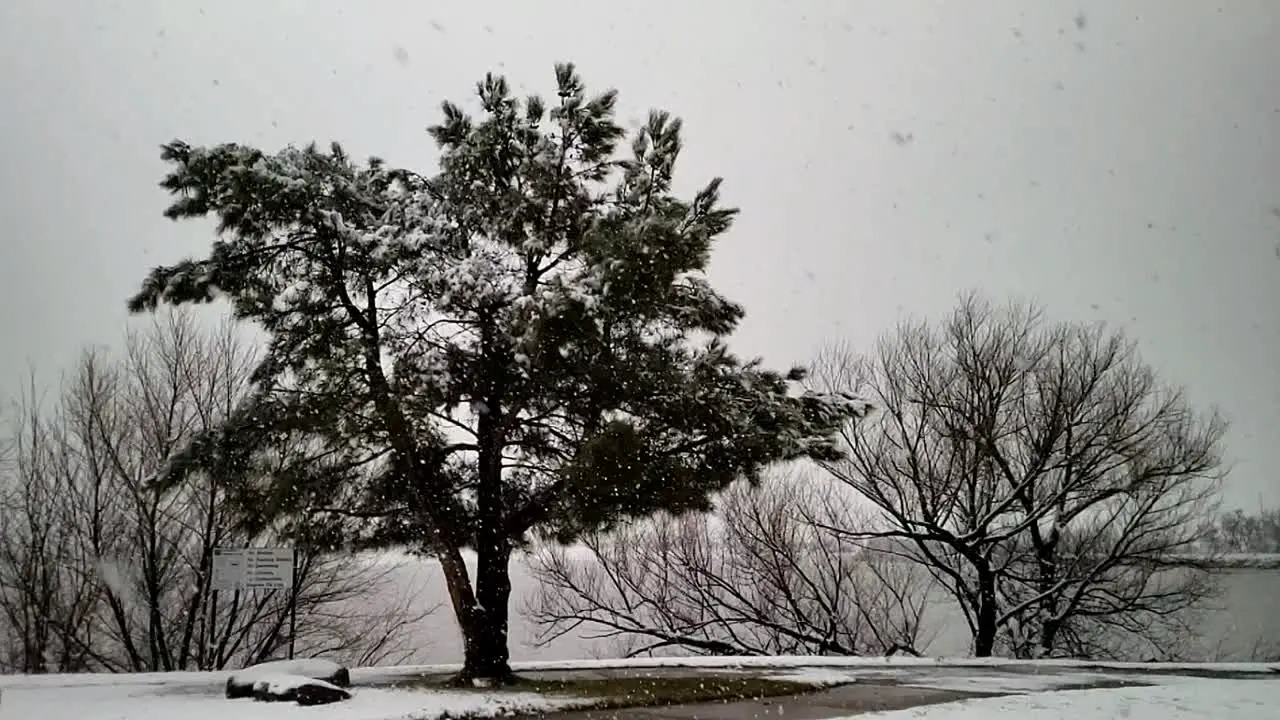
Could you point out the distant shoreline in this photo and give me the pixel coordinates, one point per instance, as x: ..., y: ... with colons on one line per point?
x: 1223, y: 561
x: 1238, y: 561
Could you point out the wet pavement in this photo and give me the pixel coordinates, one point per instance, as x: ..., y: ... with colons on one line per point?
x: 870, y: 689
x: 832, y: 703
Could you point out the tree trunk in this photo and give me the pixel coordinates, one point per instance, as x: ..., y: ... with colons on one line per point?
x: 984, y: 636
x: 1046, y: 548
x: 1048, y: 615
x: 482, y: 613
x: 1048, y: 637
x: 458, y: 582
x: 487, y: 656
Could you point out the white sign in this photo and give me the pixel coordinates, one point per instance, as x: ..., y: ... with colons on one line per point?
x: 228, y: 569
x: 252, y: 568
x: 268, y: 568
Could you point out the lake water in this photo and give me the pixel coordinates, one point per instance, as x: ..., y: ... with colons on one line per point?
x: 1246, y: 618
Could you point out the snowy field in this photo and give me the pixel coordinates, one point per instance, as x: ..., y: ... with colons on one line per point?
x: 1186, y: 700
x: 158, y: 701
x: 1038, y: 689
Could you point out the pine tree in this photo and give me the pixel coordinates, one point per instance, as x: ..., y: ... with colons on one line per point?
x: 523, y: 342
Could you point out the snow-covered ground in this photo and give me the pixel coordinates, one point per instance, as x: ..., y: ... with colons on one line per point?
x: 198, y: 696
x: 1185, y: 700
x: 974, y: 680
x: 191, y: 697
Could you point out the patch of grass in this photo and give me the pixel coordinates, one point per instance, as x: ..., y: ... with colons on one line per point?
x: 617, y: 693
x: 639, y: 691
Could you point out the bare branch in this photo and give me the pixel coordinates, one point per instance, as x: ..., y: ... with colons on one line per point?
x: 760, y: 577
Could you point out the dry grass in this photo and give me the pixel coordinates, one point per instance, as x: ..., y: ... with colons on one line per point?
x: 616, y: 693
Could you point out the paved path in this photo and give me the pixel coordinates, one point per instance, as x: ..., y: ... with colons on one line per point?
x: 871, y: 690
x: 836, y: 702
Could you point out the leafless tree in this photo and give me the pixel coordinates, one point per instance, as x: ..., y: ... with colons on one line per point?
x: 1238, y: 532
x: 39, y: 600
x: 1040, y: 471
x: 759, y: 577
x: 1262, y: 650
x: 100, y: 569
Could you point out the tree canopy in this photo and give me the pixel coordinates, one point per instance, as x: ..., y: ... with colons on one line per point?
x: 525, y: 339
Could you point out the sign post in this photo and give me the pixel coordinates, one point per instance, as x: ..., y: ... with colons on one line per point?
x: 247, y: 569
x: 227, y: 576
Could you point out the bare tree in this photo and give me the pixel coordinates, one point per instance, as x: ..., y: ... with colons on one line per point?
x: 41, y: 602
x: 1040, y: 471
x: 104, y: 570
x: 1239, y: 532
x: 759, y: 577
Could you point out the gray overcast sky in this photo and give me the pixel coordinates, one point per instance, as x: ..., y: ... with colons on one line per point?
x: 1114, y: 160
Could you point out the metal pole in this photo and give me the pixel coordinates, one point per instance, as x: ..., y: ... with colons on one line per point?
x: 211, y: 645
x: 293, y: 622
x: 231, y: 619
x: 293, y: 604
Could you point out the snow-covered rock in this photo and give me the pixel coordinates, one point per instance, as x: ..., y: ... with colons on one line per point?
x: 299, y: 689
x: 242, y: 684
